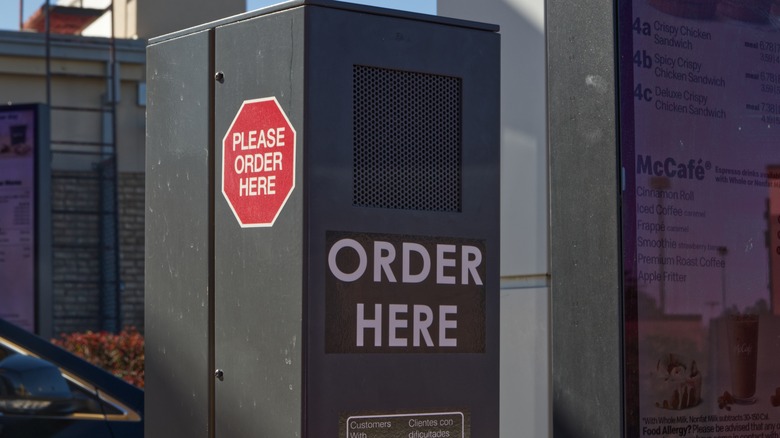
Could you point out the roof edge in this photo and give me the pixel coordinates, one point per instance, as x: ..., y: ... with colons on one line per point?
x: 333, y: 4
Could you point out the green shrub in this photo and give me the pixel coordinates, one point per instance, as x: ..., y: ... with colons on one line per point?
x: 120, y: 354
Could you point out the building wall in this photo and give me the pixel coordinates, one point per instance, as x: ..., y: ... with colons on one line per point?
x: 144, y: 19
x: 79, y: 79
x: 76, y: 264
x: 131, y: 242
x: 525, y: 306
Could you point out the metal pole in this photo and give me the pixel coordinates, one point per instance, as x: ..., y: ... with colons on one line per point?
x: 47, y: 17
x: 114, y: 164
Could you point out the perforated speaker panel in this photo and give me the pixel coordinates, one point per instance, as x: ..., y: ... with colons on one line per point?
x: 407, y: 140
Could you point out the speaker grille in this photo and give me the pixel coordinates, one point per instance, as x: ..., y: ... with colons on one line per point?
x: 407, y: 140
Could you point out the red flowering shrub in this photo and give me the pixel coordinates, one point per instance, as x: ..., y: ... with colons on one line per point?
x: 120, y: 354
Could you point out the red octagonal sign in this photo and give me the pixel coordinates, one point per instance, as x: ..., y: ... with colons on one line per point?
x: 258, y: 162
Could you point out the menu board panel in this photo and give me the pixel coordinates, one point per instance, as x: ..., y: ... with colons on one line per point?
x: 700, y: 148
x: 17, y: 215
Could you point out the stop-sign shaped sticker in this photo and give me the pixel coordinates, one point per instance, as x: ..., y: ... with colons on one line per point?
x: 258, y: 162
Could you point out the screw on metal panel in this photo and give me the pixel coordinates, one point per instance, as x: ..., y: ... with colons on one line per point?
x: 220, y: 77
x: 219, y: 374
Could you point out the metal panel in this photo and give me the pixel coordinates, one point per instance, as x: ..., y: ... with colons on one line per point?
x: 259, y: 271
x: 290, y: 4
x: 524, y: 220
x: 584, y: 188
x: 396, y: 382
x: 178, y: 192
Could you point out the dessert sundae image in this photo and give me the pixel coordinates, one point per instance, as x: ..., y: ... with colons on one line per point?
x: 677, y: 382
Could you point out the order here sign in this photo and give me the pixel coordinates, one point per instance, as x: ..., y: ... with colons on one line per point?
x: 390, y: 293
x: 258, y: 162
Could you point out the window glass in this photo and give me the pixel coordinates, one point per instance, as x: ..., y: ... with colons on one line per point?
x: 86, y: 402
x: 699, y: 124
x: 5, y: 352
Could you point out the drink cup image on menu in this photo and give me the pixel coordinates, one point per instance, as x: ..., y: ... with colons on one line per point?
x: 695, y: 9
x: 751, y: 11
x: 743, y: 356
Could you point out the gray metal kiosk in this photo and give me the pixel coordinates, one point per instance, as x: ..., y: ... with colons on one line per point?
x: 322, y: 226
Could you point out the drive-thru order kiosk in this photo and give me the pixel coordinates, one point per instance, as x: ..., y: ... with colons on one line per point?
x: 322, y: 226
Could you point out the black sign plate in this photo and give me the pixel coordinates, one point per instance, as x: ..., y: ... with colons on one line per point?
x: 404, y: 294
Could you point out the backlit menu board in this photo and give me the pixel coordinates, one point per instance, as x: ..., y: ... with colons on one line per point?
x: 700, y: 150
x: 17, y: 215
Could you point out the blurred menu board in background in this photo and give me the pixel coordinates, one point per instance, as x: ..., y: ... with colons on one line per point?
x: 700, y: 148
x: 17, y: 215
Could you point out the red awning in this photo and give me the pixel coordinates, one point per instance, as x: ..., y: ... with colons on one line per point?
x: 63, y: 19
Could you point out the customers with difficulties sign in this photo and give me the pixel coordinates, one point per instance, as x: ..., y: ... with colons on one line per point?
x: 404, y: 294
x: 258, y: 162
x: 454, y: 424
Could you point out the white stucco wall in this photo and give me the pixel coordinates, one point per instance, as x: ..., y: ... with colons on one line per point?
x: 525, y: 388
